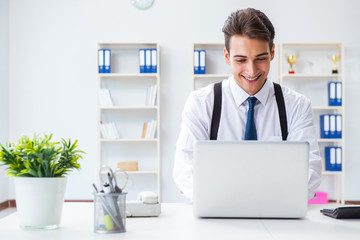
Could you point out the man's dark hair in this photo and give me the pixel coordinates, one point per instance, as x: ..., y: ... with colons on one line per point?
x: 251, y: 23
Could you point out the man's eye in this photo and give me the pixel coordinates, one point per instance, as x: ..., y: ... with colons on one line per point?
x: 261, y: 59
x: 240, y: 60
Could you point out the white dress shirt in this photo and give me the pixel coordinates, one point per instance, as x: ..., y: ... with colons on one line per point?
x: 196, y: 125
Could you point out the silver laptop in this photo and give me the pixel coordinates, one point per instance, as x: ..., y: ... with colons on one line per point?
x: 250, y: 179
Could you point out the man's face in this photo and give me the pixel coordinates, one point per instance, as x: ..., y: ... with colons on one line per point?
x: 249, y: 60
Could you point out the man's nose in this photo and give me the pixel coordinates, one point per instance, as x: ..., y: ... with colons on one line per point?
x: 251, y: 69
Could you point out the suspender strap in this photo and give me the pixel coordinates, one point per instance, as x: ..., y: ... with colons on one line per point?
x: 215, y: 121
x: 282, y: 112
x: 217, y: 111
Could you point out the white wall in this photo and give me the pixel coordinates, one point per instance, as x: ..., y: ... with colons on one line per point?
x: 4, y: 89
x: 53, y: 64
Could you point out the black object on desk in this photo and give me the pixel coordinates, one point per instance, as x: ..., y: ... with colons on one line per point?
x: 342, y: 212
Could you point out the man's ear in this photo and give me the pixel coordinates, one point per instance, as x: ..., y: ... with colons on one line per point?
x: 272, y: 52
x: 227, y: 56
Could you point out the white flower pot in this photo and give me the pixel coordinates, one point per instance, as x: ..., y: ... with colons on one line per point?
x: 39, y: 201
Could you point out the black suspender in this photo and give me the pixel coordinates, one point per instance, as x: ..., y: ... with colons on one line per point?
x: 215, y: 121
x: 282, y: 112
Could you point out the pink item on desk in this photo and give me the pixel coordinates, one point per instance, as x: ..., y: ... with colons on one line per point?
x: 321, y: 198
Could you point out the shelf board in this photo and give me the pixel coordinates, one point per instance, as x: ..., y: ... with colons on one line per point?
x: 129, y: 140
x: 212, y: 75
x: 127, y: 45
x: 309, y: 44
x: 310, y: 76
x: 141, y: 172
x: 127, y: 75
x: 339, y: 108
x: 324, y: 140
x: 130, y: 108
x: 331, y: 172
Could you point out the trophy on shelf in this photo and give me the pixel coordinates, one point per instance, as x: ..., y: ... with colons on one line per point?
x: 291, y: 59
x: 334, y: 59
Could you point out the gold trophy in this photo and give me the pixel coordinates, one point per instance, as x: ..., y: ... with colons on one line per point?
x: 291, y: 60
x: 334, y: 59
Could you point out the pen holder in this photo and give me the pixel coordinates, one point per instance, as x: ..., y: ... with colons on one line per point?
x: 109, y: 212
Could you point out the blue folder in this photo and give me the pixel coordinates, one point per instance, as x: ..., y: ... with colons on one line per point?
x: 153, y: 61
x: 202, y: 62
x: 196, y: 61
x: 101, y: 60
x: 142, y: 60
x: 325, y: 126
x: 107, y: 60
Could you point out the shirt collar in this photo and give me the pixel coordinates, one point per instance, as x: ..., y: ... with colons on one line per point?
x: 240, y: 96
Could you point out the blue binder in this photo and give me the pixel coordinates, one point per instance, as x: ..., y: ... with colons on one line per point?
x: 332, y: 125
x: 330, y: 158
x: 101, y: 60
x: 153, y: 61
x: 325, y: 126
x: 196, y: 61
x: 202, y: 62
x: 147, y: 60
x: 338, y: 94
x: 332, y: 93
x: 338, y: 158
x: 107, y: 60
x: 142, y: 60
x: 333, y: 158
x: 338, y: 126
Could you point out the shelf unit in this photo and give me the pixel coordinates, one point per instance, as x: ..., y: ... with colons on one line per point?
x: 312, y: 74
x: 216, y: 67
x: 129, y: 111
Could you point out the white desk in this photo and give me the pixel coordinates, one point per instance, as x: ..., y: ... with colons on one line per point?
x: 177, y: 222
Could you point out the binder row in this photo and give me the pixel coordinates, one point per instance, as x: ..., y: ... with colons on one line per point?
x: 104, y: 60
x: 148, y: 60
x: 331, y: 126
x: 333, y: 158
x: 335, y: 93
x: 199, y: 61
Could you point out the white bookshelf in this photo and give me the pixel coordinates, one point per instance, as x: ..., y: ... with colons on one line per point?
x: 129, y: 111
x: 313, y: 72
x: 216, y: 67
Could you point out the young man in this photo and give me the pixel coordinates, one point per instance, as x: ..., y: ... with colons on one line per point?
x: 248, y: 51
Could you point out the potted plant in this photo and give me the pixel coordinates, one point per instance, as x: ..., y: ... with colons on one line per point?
x: 39, y: 167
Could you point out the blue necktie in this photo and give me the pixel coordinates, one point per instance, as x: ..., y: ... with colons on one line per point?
x: 250, y: 131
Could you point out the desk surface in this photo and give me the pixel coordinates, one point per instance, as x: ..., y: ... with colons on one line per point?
x: 177, y: 222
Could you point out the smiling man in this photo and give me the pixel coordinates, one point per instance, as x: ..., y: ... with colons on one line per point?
x: 252, y: 106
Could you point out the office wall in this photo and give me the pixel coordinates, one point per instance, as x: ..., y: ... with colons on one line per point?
x: 4, y: 89
x: 53, y: 64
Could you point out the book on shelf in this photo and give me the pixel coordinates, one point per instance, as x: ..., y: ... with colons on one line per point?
x: 335, y: 93
x: 105, y: 98
x: 104, y: 60
x: 148, y: 60
x: 333, y: 158
x: 199, y: 61
x: 108, y: 130
x: 331, y: 126
x: 128, y: 166
x: 151, y: 95
x: 149, y: 130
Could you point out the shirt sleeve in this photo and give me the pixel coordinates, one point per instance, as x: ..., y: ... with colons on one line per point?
x: 302, y: 128
x: 193, y: 127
